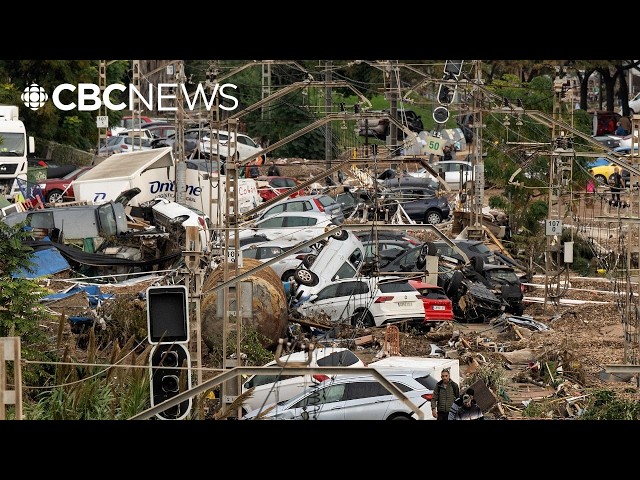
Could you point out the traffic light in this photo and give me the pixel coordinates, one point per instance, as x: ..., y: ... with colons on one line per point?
x: 167, y: 314
x: 168, y: 328
x: 170, y: 375
x: 441, y: 114
x: 445, y: 94
x: 452, y: 68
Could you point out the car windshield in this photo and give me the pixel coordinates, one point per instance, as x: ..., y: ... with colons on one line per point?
x: 502, y: 275
x: 74, y: 173
x: 390, y: 287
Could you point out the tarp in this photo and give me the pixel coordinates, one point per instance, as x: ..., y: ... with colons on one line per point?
x: 92, y: 292
x: 45, y: 262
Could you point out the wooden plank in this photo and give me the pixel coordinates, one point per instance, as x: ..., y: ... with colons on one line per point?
x: 364, y: 340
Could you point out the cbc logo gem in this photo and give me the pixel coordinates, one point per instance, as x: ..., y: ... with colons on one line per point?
x: 34, y: 96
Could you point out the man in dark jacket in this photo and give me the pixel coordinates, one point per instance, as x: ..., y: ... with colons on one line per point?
x: 466, y: 408
x: 444, y: 394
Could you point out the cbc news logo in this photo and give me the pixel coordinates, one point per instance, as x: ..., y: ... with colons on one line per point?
x: 161, y: 97
x: 34, y: 96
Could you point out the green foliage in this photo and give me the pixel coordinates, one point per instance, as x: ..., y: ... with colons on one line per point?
x: 251, y: 345
x: 493, y: 376
x: 605, y: 405
x: 21, y: 313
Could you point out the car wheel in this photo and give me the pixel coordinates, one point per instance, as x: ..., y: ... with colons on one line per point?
x: 433, y: 217
x: 306, y: 277
x: 362, y: 318
x: 55, y: 196
x: 309, y: 259
x: 400, y: 416
x: 288, y: 276
x: 601, y: 179
x: 341, y: 235
x: 477, y: 263
x: 454, y: 284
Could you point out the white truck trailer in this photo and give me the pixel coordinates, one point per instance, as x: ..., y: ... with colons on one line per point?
x: 15, y: 145
x: 153, y: 171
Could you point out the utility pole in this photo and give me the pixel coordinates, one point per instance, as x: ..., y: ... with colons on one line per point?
x: 328, y: 138
x: 557, y: 254
x: 136, y: 130
x: 181, y: 166
x: 102, y: 120
x: 266, y: 90
x: 631, y: 314
x: 474, y: 229
x: 231, y: 295
x: 393, y: 72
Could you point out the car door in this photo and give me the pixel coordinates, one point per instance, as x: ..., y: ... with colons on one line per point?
x: 366, y: 400
x: 333, y: 301
x: 272, y: 227
x: 322, y: 403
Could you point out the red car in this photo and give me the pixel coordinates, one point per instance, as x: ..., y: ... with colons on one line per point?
x: 437, y: 306
x: 270, y: 187
x: 56, y: 190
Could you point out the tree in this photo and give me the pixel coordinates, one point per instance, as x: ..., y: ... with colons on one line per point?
x: 21, y: 314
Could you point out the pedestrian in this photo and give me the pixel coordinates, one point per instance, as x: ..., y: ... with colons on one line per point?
x: 273, y: 171
x: 447, y: 152
x: 625, y: 123
x: 465, y: 407
x: 444, y: 394
x: 616, y: 187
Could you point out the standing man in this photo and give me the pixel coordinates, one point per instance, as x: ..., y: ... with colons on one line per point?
x: 444, y: 394
x: 616, y: 187
x: 273, y: 171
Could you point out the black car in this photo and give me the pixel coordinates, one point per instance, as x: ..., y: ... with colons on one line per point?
x: 472, y: 248
x: 473, y: 300
x: 505, y: 283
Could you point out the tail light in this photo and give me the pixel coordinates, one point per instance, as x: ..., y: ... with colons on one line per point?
x: 320, y: 377
x: 383, y: 299
x: 523, y: 288
x: 427, y: 396
x: 318, y: 204
x: 124, y: 147
x: 202, y: 223
x: 301, y: 257
x: 411, y: 241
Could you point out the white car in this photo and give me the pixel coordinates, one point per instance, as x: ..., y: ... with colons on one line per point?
x: 284, y: 268
x: 239, y: 145
x: 366, y: 301
x: 453, y: 171
x: 170, y: 215
x: 299, y: 226
x: 357, y: 397
x: 276, y: 388
x: 341, y: 256
x: 307, y: 203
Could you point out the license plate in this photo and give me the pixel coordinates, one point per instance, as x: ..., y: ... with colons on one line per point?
x: 438, y: 307
x: 404, y: 304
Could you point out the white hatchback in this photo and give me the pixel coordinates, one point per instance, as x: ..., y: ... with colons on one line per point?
x: 280, y: 387
x: 366, y: 301
x: 299, y: 226
x: 284, y: 268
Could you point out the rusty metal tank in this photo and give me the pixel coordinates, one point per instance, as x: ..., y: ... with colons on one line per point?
x: 264, y: 305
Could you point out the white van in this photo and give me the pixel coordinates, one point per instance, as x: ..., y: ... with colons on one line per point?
x: 276, y: 388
